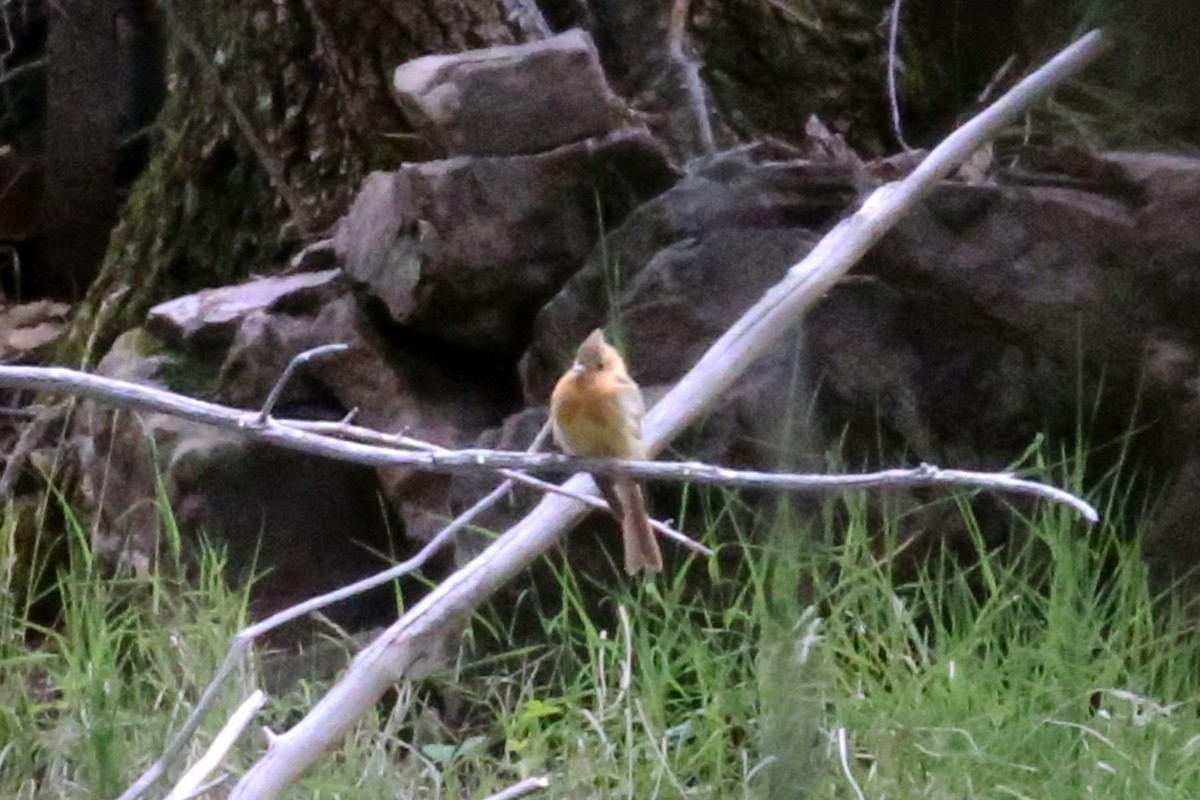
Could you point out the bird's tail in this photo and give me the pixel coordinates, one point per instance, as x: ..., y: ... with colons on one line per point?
x: 641, y: 548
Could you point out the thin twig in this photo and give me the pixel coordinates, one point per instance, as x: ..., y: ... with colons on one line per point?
x: 245, y: 637
x: 405, y: 567
x: 791, y: 11
x: 293, y: 365
x: 29, y: 66
x: 132, y: 395
x: 659, y: 746
x: 369, y: 435
x: 893, y: 37
x: 527, y: 786
x: 302, y: 260
x: 997, y: 78
x: 328, y: 42
x: 415, y: 637
x: 224, y: 740
x: 528, y: 18
x: 689, y: 65
x: 844, y: 757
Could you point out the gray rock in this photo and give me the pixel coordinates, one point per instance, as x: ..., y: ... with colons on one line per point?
x: 684, y: 265
x: 27, y: 329
x: 300, y: 525
x: 211, y: 318
x: 971, y: 329
x: 467, y: 250
x: 309, y: 524
x: 510, y: 99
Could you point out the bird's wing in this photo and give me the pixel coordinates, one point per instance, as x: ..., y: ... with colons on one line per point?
x: 633, y: 408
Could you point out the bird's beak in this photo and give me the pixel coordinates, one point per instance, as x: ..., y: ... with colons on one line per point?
x: 577, y: 367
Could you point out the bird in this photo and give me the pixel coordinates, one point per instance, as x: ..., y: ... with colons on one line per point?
x: 596, y: 411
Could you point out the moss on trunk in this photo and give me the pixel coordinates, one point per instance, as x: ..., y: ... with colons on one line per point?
x: 312, y: 77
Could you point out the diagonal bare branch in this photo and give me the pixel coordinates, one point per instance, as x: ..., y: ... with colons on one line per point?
x: 190, y: 783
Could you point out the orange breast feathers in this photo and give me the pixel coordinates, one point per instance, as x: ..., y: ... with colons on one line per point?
x: 596, y: 407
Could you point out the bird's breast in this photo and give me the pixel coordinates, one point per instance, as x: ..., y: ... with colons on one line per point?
x: 590, y: 423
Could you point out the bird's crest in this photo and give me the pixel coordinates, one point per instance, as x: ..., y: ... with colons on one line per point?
x: 591, y: 352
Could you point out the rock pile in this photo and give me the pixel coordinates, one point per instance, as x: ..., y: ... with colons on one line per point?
x: 463, y: 284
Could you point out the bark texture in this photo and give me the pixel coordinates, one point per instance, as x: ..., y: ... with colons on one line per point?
x: 313, y: 79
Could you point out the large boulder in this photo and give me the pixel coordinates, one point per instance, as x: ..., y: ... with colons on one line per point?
x: 308, y: 524
x: 685, y: 265
x: 973, y: 328
x: 509, y: 99
x: 466, y: 250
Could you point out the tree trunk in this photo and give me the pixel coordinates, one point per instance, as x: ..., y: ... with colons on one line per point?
x: 79, y: 201
x: 312, y: 80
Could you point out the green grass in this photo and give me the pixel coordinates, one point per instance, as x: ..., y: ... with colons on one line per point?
x: 1035, y: 670
x: 99, y: 689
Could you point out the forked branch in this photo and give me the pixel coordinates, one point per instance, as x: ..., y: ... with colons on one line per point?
x: 375, y: 448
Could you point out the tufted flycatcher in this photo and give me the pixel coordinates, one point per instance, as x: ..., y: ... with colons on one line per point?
x: 596, y: 411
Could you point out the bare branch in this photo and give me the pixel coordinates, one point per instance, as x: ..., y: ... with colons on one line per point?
x: 689, y: 66
x: 893, y: 37
x: 527, y: 786
x: 293, y: 365
x: 194, y: 777
x: 368, y: 435
x: 414, y: 638
x: 294, y: 436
